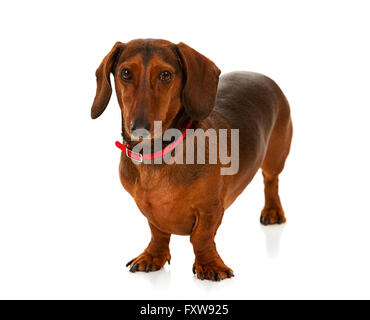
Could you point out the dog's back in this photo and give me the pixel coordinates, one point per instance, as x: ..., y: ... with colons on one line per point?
x: 254, y: 104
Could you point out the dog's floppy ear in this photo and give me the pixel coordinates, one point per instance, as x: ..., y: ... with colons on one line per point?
x: 201, y: 81
x: 104, y: 88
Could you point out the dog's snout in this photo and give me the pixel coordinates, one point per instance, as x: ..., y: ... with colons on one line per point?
x: 137, y: 125
x: 140, y: 128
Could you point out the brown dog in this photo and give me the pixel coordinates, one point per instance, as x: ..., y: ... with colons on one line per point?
x: 159, y: 80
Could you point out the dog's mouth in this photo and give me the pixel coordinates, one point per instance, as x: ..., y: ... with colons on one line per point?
x: 140, y: 135
x: 144, y: 135
x: 156, y: 130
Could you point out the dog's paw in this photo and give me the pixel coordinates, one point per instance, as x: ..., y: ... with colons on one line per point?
x: 148, y: 263
x: 272, y: 216
x: 214, y: 271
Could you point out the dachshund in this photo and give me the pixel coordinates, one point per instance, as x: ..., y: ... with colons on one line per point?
x: 157, y: 80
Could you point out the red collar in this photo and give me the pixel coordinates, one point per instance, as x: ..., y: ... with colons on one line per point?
x: 148, y: 156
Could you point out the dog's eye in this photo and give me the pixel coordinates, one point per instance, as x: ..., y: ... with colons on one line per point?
x: 165, y: 75
x: 126, y: 74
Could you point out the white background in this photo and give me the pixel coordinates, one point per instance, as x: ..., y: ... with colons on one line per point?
x: 67, y: 227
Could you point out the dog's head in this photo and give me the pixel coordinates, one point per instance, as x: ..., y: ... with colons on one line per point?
x: 154, y: 80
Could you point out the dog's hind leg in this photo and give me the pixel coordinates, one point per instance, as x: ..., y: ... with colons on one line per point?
x: 273, y: 165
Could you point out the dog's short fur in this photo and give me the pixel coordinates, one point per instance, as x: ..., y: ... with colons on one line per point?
x: 191, y: 199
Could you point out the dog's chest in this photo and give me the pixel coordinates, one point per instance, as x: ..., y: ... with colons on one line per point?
x: 167, y: 207
x: 164, y: 201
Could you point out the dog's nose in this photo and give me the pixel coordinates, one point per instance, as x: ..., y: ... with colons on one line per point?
x: 140, y: 129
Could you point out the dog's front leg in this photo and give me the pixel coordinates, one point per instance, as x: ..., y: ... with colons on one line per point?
x: 208, y: 264
x: 155, y: 255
